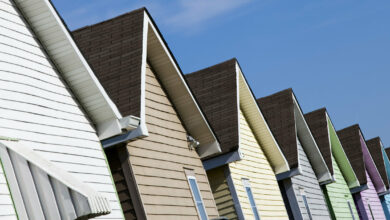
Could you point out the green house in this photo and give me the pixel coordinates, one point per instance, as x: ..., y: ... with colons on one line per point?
x: 338, y: 191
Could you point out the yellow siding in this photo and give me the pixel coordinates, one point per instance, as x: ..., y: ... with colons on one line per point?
x: 257, y: 169
x: 158, y: 161
x: 221, y: 193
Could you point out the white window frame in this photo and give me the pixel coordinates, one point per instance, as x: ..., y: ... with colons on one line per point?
x: 246, y: 184
x: 191, y: 176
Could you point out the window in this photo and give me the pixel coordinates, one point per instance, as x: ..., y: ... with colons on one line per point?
x: 196, y: 194
x: 350, y: 209
x: 369, y: 207
x: 304, y: 198
x: 248, y: 190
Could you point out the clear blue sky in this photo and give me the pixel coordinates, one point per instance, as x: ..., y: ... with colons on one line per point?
x: 333, y: 53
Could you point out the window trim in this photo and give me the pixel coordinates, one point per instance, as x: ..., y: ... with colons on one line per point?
x: 306, y: 203
x: 246, y: 184
x: 191, y: 175
x: 350, y: 209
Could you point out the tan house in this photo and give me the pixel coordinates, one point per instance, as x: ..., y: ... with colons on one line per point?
x: 157, y: 167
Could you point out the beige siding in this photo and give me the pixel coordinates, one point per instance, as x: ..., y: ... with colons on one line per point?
x: 221, y: 193
x: 257, y: 169
x: 158, y: 161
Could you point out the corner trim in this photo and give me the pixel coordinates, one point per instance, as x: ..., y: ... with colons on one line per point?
x: 221, y: 160
x: 233, y: 192
x: 288, y: 174
x: 359, y: 189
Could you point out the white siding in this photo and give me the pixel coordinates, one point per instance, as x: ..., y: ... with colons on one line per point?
x: 7, y: 210
x: 309, y: 183
x: 37, y: 107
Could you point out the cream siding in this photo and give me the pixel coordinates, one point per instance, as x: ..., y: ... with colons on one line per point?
x: 221, y: 193
x: 309, y: 183
x: 258, y: 170
x: 37, y: 107
x: 158, y: 161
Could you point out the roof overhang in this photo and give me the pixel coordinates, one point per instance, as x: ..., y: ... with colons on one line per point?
x: 341, y: 157
x: 310, y: 146
x: 157, y: 53
x: 259, y: 126
x: 58, y: 43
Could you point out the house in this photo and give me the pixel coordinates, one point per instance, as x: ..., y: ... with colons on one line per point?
x: 366, y: 198
x: 382, y: 162
x: 53, y: 115
x: 157, y: 167
x: 301, y: 186
x: 338, y: 196
x: 242, y: 176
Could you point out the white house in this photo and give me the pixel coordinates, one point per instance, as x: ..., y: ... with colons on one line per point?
x: 53, y: 115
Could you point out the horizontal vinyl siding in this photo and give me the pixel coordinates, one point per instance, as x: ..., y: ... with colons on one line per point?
x: 158, y: 161
x: 7, y: 210
x: 339, y: 194
x: 257, y: 169
x: 308, y: 181
x: 386, y: 203
x: 370, y: 196
x: 37, y: 107
x: 221, y: 193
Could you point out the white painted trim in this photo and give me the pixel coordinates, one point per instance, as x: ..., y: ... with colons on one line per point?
x: 325, y: 175
x: 143, y: 73
x: 189, y: 177
x: 97, y: 202
x: 105, y: 128
x: 238, y: 109
x: 151, y: 27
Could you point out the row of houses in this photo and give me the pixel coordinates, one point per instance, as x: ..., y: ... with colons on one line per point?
x: 102, y: 123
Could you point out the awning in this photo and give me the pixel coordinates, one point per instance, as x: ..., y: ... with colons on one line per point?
x: 41, y: 190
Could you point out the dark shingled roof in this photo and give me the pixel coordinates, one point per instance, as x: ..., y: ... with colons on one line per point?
x: 113, y: 49
x: 278, y: 110
x: 215, y: 89
x: 318, y: 124
x: 350, y: 140
x: 375, y: 148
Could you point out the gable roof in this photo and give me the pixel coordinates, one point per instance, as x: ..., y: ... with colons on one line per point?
x: 59, y: 45
x: 221, y: 91
x: 355, y: 147
x: 216, y: 90
x: 318, y: 124
x: 285, y: 118
x: 325, y: 135
x: 350, y: 140
x: 118, y: 50
x: 375, y: 147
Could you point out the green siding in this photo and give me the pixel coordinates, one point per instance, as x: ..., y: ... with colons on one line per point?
x: 338, y: 194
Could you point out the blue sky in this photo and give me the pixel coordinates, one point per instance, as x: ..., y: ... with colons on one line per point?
x: 334, y: 53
